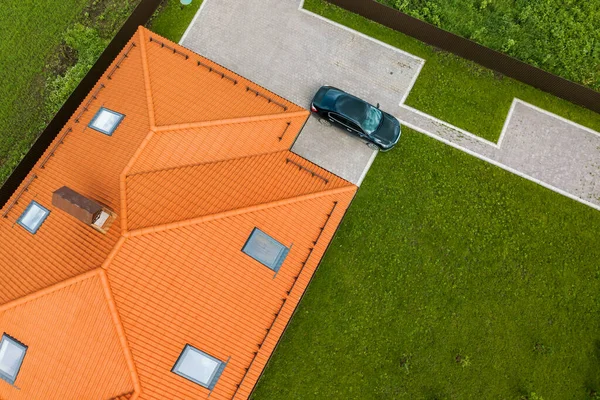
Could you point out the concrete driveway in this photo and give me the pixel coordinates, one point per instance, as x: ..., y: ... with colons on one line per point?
x: 272, y: 42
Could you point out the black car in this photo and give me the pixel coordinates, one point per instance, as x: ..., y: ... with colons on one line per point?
x: 380, y: 129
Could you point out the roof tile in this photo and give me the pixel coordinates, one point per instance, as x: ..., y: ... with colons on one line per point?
x: 87, y: 161
x: 184, y: 91
x: 194, y: 285
x: 73, y: 350
x: 218, y: 142
x: 177, y: 194
x: 200, y: 159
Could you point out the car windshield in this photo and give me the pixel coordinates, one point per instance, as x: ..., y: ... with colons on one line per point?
x: 372, y: 120
x: 367, y: 116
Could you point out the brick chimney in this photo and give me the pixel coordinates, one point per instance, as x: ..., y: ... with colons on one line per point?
x: 88, y: 211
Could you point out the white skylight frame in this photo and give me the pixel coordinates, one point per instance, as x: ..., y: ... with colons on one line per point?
x: 11, y: 352
x: 33, y: 217
x: 265, y: 249
x: 188, y: 360
x: 106, y: 121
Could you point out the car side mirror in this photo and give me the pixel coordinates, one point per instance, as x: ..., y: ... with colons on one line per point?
x: 377, y: 105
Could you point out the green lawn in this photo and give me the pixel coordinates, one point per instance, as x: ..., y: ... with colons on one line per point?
x: 456, y: 90
x: 47, y: 47
x: 559, y: 36
x: 450, y: 278
x: 172, y: 19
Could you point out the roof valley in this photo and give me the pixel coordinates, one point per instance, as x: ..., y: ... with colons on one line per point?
x: 239, y: 211
x: 147, y: 85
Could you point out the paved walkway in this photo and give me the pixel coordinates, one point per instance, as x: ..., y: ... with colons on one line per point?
x: 292, y: 52
x: 535, y: 144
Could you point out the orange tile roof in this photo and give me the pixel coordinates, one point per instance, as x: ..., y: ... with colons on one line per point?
x: 85, y: 358
x: 200, y: 159
x: 181, y: 193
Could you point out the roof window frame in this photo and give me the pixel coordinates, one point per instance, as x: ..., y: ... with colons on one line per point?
x: 214, y: 378
x: 4, y: 376
x: 37, y: 227
x: 284, y: 250
x: 97, y: 115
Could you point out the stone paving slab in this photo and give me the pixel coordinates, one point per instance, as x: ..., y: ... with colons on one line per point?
x: 333, y: 145
x: 553, y: 150
x: 293, y: 53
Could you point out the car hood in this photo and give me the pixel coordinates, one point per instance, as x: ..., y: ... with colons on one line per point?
x: 388, y: 132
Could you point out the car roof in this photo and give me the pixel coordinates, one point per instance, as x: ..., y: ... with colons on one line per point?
x: 351, y: 106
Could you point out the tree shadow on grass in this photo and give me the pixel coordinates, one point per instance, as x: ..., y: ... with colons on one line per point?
x: 592, y: 381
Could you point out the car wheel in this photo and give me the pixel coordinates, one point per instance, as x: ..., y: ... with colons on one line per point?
x: 372, y: 146
x: 324, y: 122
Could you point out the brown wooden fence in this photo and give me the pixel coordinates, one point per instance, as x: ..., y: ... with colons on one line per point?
x: 470, y: 50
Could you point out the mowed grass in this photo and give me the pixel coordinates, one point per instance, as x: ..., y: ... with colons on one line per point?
x: 172, y: 19
x: 30, y: 32
x: 455, y: 90
x: 449, y: 278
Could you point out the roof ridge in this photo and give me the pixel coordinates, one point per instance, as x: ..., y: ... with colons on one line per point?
x: 231, y: 121
x: 49, y: 289
x: 149, y: 100
x: 123, y: 178
x: 113, y: 253
x: 223, y: 160
x: 237, y: 211
x: 112, y: 307
x: 103, y: 278
x: 132, y: 394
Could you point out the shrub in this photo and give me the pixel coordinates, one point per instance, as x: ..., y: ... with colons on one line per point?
x: 88, y: 46
x: 561, y: 37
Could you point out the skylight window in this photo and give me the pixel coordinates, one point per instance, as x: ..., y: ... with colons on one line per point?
x: 33, y: 216
x: 106, y: 121
x: 12, y: 354
x: 266, y: 250
x: 199, y: 367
